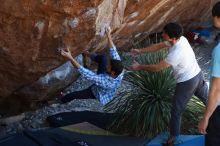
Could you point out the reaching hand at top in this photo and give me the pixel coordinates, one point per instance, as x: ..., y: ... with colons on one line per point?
x: 108, y: 32
x: 66, y: 53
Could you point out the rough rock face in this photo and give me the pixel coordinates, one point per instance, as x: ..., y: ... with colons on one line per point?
x: 32, y: 32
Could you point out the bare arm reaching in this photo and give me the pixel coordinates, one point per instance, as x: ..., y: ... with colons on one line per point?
x: 152, y: 48
x: 150, y: 68
x: 112, y: 49
x: 213, y: 100
x: 67, y: 54
x: 110, y: 42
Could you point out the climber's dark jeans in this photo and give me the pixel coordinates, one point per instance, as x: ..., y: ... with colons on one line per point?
x: 87, y: 93
x: 83, y: 94
x: 101, y: 60
x: 183, y: 93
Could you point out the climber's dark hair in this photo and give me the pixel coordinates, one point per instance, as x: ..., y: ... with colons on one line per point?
x: 116, y: 66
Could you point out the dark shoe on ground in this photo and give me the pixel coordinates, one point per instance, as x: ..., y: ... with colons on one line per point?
x: 170, y: 141
x: 58, y: 99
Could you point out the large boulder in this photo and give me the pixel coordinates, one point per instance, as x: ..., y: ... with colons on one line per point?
x: 32, y: 32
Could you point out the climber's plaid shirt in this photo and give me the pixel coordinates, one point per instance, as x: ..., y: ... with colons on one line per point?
x: 105, y: 86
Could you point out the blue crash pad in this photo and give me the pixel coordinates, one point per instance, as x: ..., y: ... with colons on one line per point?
x: 204, y: 33
x: 182, y: 140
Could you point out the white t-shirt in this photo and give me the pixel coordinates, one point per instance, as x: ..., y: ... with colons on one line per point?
x: 183, y: 61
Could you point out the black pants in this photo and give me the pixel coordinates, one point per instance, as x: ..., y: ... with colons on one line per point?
x: 212, y: 138
x: 102, y: 62
x: 87, y: 93
x: 83, y: 94
x: 183, y: 93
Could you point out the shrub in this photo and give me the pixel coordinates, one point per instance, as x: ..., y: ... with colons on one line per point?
x: 144, y: 110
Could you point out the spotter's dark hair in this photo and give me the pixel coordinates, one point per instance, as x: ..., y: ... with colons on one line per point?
x: 173, y: 30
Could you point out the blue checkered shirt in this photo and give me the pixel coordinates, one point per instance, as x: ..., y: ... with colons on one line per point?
x: 105, y: 86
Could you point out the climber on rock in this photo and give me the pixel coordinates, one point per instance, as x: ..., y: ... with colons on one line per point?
x: 107, y: 79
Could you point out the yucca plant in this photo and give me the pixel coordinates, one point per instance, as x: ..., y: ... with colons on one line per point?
x: 144, y: 110
x: 194, y: 111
